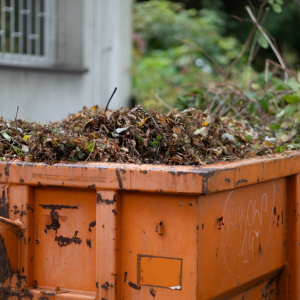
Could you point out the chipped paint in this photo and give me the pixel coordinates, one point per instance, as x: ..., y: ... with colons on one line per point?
x: 5, y: 266
x: 4, y: 206
x: 119, y: 177
x: 89, y: 243
x: 91, y: 225
x: 54, y: 215
x: 152, y: 292
x: 134, y: 286
x: 6, y: 169
x: 65, y: 241
x: 241, y: 181
x: 105, y: 201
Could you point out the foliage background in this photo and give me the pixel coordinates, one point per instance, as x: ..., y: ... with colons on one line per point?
x: 184, y: 47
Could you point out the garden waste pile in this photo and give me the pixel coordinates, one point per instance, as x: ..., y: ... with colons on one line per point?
x: 190, y: 137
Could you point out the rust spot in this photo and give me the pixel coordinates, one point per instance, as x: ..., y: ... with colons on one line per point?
x: 48, y: 293
x: 23, y: 212
x: 274, y: 210
x: 4, y: 206
x: 152, y: 292
x: 119, y: 177
x: 55, y: 225
x: 259, y: 248
x: 89, y: 243
x: 91, y: 186
x: 6, y: 271
x: 39, y: 184
x: 114, y: 212
x: 21, y: 180
x: 134, y: 286
x: 6, y: 169
x: 241, y: 181
x: 97, y: 285
x: 28, y: 207
x: 43, y: 298
x: 227, y: 180
x: 125, y: 276
x: 105, y: 286
x: 8, y: 292
x: 65, y: 241
x: 19, y: 280
x: 202, y: 226
x: 91, y: 225
x: 144, y: 171
x: 57, y: 207
x: 105, y: 201
x: 16, y: 210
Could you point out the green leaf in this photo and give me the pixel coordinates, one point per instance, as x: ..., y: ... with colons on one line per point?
x: 159, y: 137
x: 154, y: 144
x: 90, y: 146
x: 249, y: 137
x: 278, y: 149
x: 81, y: 155
x: 74, y: 159
x: 293, y: 84
x: 293, y: 146
x: 6, y: 136
x: 277, y: 8
x: 291, y: 98
x: 263, y: 42
x: 17, y: 150
x: 280, y: 2
x: 271, y: 2
x: 274, y: 126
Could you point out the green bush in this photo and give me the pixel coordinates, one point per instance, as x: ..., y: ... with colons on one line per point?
x: 168, y: 41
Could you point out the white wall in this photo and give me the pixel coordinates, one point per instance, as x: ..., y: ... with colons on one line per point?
x: 98, y: 37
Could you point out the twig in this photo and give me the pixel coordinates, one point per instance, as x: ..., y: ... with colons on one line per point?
x: 16, y: 124
x: 110, y: 99
x: 161, y: 101
x: 282, y: 68
x: 249, y: 38
x: 88, y: 157
x: 254, y: 50
x: 268, y: 40
x: 251, y: 4
x: 145, y: 112
x: 240, y: 19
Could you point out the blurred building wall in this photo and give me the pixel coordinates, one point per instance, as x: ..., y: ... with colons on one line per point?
x: 95, y: 59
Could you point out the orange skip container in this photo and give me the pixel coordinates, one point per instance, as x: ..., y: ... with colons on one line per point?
x: 121, y: 231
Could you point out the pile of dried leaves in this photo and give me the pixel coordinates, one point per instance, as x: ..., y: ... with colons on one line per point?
x: 135, y: 135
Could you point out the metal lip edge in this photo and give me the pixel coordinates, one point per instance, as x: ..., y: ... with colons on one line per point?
x: 181, y: 169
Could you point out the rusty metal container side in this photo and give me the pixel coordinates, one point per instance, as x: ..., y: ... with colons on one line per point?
x: 114, y: 231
